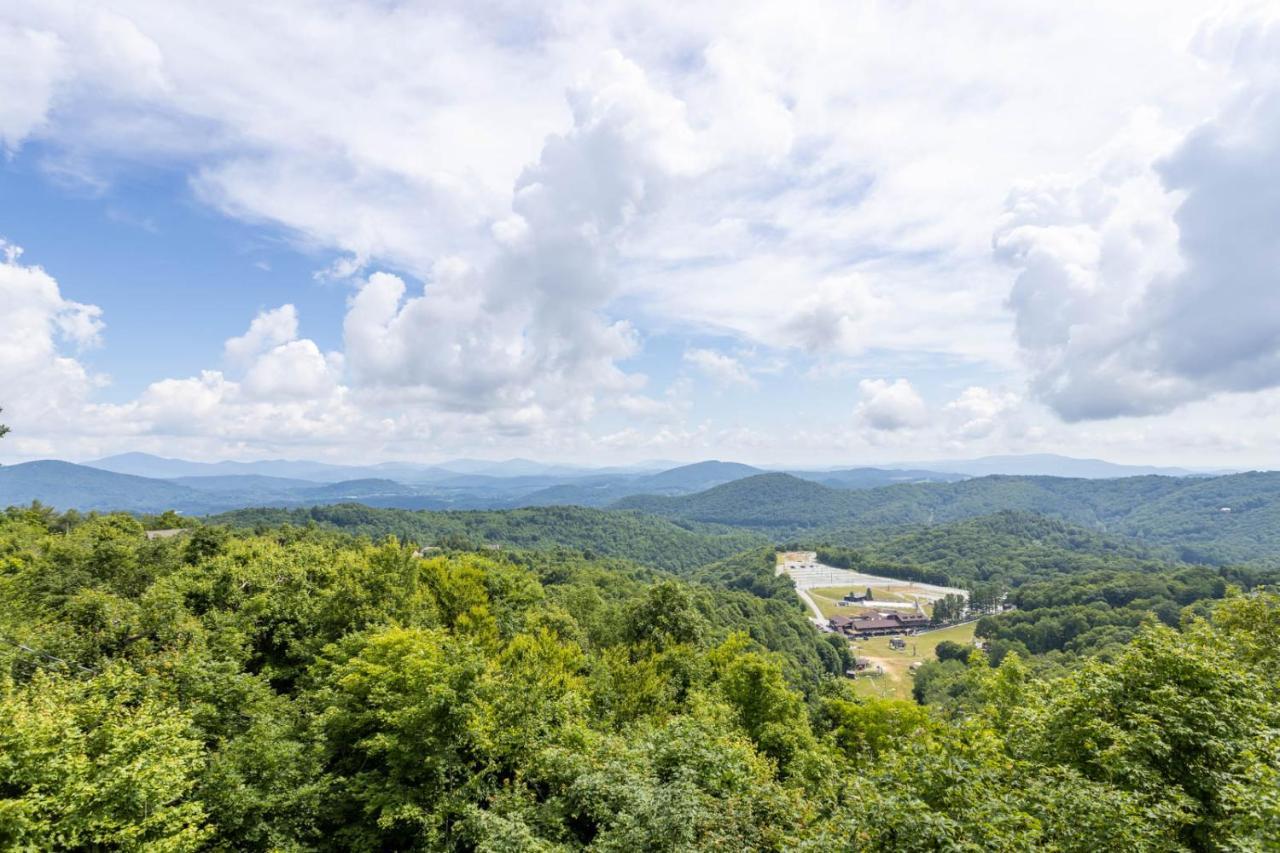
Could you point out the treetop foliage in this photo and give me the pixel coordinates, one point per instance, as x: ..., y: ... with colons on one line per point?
x: 297, y: 688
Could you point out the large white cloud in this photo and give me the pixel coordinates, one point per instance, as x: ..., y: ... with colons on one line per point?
x: 979, y: 411
x: 284, y: 396
x: 890, y: 406
x: 522, y: 327
x: 26, y: 90
x: 41, y: 332
x: 550, y: 183
x: 805, y: 143
x: 279, y: 393
x: 1155, y: 280
x: 288, y: 393
x: 268, y: 330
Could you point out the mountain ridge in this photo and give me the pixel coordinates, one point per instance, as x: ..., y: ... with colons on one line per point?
x: 1050, y: 465
x: 1233, y: 517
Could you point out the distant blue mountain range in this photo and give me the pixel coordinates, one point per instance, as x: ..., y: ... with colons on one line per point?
x: 140, y: 482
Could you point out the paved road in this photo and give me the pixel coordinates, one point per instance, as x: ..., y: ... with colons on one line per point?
x: 818, y: 618
x: 784, y: 568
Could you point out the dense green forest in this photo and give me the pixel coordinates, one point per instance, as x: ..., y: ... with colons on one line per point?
x: 1197, y: 519
x: 1074, y: 610
x: 998, y: 558
x: 299, y: 688
x: 646, y: 539
x: 1005, y: 549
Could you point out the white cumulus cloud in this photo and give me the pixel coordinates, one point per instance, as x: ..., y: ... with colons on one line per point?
x: 890, y: 406
x: 523, y: 328
x: 520, y: 196
x: 1154, y: 280
x: 978, y: 411
x: 40, y: 334
x: 268, y: 330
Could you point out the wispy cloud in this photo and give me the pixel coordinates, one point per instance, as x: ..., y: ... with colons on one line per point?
x: 720, y: 368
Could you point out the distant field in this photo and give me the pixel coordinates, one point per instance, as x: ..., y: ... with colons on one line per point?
x: 828, y: 599
x: 896, y: 681
x: 881, y: 593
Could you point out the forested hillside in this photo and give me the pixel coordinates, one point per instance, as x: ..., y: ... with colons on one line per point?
x: 770, y: 502
x: 68, y: 486
x: 1226, y: 519
x: 1078, y: 592
x: 602, y: 490
x: 645, y: 539
x: 1006, y: 546
x: 1222, y: 519
x: 302, y: 689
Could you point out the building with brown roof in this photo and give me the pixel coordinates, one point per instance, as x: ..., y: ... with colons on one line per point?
x: 878, y: 625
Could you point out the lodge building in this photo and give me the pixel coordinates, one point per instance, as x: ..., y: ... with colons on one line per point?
x: 878, y: 624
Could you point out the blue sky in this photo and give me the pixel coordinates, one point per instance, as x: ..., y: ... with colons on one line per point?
x: 174, y: 277
x: 821, y: 234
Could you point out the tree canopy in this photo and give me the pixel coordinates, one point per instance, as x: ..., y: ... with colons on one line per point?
x: 297, y: 688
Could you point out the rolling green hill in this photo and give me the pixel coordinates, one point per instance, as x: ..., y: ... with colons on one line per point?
x: 770, y: 502
x: 1010, y: 547
x: 971, y: 545
x: 1222, y: 519
x: 68, y: 486
x: 602, y: 490
x: 1217, y: 520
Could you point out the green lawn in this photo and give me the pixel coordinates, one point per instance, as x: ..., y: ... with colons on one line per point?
x: 880, y: 593
x: 896, y: 681
x: 828, y: 599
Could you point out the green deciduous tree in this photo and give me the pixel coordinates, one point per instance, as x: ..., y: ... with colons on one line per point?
x: 100, y: 763
x: 298, y: 688
x: 666, y: 616
x: 951, y: 650
x: 393, y: 714
x: 1176, y: 718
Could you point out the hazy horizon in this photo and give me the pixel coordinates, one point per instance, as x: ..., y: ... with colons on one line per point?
x: 801, y: 460
x: 650, y: 465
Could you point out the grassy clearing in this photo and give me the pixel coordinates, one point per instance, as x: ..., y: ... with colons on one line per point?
x: 880, y: 593
x: 828, y: 601
x: 896, y: 681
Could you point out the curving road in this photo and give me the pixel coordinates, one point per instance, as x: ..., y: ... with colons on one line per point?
x: 784, y: 568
